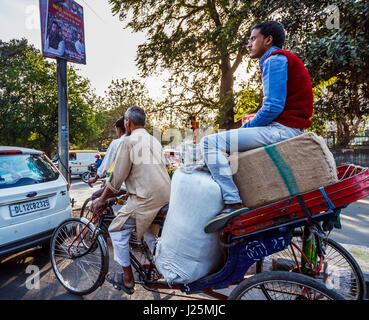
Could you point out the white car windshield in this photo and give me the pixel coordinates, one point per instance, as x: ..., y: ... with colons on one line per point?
x: 25, y: 169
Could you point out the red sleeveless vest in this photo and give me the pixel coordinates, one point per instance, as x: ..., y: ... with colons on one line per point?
x: 299, y: 102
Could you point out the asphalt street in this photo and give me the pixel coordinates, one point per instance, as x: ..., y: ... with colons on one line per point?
x: 17, y: 271
x: 354, y: 235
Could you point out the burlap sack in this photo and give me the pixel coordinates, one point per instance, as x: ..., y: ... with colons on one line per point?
x: 268, y: 174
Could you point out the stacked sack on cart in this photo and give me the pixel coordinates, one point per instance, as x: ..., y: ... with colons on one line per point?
x: 275, y: 172
x: 185, y: 253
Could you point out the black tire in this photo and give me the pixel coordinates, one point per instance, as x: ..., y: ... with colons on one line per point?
x: 85, y: 176
x: 76, y: 274
x: 85, y: 210
x: 337, y: 257
x: 283, y: 285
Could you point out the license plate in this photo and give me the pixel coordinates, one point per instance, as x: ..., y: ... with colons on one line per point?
x: 29, y: 207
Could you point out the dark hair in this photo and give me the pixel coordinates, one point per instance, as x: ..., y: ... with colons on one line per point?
x: 120, y: 124
x: 274, y: 29
x: 136, y: 115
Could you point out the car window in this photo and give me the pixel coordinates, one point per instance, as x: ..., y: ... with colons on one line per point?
x: 25, y: 169
x: 72, y: 156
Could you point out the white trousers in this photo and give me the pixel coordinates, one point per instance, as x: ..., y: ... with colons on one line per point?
x: 120, y: 242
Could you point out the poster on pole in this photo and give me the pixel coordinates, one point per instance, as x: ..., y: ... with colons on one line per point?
x: 62, y: 30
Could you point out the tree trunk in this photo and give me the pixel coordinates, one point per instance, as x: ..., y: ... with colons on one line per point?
x: 226, y: 115
x: 345, y: 133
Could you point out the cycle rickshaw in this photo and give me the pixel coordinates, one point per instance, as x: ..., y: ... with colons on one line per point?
x: 79, y: 252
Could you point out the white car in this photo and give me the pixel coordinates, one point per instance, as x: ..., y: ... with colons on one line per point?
x: 34, y: 199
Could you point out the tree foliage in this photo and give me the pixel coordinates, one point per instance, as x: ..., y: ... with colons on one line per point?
x: 249, y: 100
x: 332, y: 38
x: 202, y: 43
x: 29, y: 103
x: 119, y: 96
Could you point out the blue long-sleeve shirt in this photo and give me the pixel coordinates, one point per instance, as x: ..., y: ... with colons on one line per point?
x: 274, y: 71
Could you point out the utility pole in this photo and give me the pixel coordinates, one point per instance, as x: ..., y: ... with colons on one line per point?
x: 63, y: 126
x: 170, y: 101
x: 65, y: 24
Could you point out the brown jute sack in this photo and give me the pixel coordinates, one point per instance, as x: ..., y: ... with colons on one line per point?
x: 268, y: 174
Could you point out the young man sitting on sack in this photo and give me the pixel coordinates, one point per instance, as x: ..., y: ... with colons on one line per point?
x: 286, y: 111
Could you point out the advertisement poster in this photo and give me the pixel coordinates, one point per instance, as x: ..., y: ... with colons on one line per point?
x: 62, y: 30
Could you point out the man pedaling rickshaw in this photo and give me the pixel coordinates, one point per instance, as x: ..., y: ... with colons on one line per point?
x: 140, y: 163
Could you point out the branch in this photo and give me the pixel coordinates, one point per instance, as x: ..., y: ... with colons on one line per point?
x: 238, y: 61
x: 214, y: 13
x: 183, y: 18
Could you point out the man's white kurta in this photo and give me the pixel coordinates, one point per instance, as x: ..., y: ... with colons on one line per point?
x: 140, y: 163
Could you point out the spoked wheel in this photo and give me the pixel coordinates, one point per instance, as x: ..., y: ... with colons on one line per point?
x: 80, y: 267
x: 283, y: 285
x: 339, y: 269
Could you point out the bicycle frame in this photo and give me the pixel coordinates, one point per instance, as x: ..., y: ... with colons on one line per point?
x: 97, y: 217
x: 313, y: 271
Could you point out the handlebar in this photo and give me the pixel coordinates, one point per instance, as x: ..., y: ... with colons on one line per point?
x: 111, y: 201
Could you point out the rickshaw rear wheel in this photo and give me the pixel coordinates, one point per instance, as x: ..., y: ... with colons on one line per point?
x: 283, y: 285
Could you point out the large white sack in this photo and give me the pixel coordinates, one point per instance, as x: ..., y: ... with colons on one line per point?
x: 184, y: 252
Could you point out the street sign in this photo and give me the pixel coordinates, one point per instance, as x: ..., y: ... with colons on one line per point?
x: 62, y: 30
x: 331, y: 126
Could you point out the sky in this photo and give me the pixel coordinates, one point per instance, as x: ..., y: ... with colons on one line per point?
x: 110, y: 49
